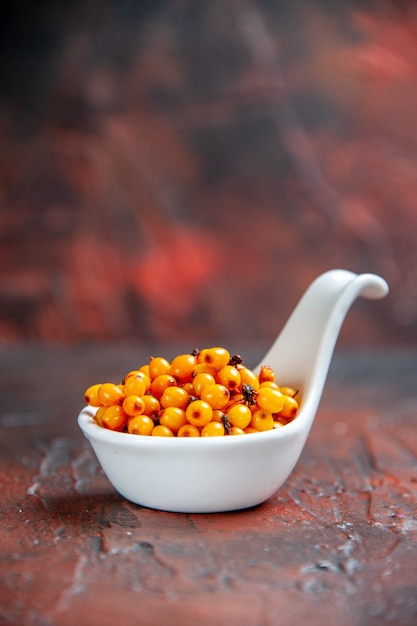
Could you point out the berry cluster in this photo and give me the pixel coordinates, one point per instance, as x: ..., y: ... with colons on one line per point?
x: 206, y: 393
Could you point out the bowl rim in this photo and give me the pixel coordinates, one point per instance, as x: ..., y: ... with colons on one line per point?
x: 93, y: 431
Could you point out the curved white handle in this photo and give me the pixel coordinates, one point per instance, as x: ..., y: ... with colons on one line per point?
x: 302, y: 352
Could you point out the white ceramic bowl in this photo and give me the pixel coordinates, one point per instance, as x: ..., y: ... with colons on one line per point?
x: 195, y: 475
x: 213, y: 474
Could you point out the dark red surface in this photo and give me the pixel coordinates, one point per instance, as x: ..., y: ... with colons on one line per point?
x: 336, y: 544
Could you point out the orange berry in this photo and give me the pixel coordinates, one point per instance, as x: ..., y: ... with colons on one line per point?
x: 270, y: 399
x: 213, y: 429
x: 152, y: 405
x: 216, y: 395
x: 91, y: 395
x: 160, y: 383
x: 188, y: 430
x: 203, y: 368
x: 99, y: 415
x: 215, y: 357
x: 269, y: 383
x: 140, y: 374
x: 235, y: 398
x: 173, y: 417
x: 290, y: 407
x: 136, y: 384
x: 162, y: 431
x: 175, y: 396
x: 289, y: 391
x: 235, y: 430
x: 266, y: 373
x: 262, y: 420
x: 218, y: 415
x: 182, y: 367
x: 229, y: 377
x: 247, y: 377
x: 199, y: 413
x: 144, y: 369
x: 202, y: 380
x: 133, y: 405
x: 113, y: 418
x: 157, y: 366
x: 239, y: 415
x: 109, y: 394
x: 140, y: 425
x: 188, y: 387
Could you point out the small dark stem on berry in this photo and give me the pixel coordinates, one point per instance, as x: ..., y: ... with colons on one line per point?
x: 248, y: 393
x: 236, y: 359
x: 226, y: 424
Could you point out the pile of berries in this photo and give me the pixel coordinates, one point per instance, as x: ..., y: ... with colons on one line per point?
x: 206, y: 393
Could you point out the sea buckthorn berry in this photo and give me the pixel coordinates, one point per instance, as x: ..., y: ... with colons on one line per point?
x: 290, y: 407
x: 131, y: 373
x: 213, y: 429
x: 262, y: 420
x: 217, y: 415
x: 269, y: 383
x: 182, y: 367
x: 200, y: 381
x: 249, y: 430
x: 109, y: 394
x: 216, y: 357
x: 91, y: 395
x: 216, y: 395
x: 289, y: 391
x: 247, y: 377
x: 235, y: 430
x: 173, y: 417
x: 199, y: 413
x: 239, y: 415
x: 114, y: 418
x: 188, y: 387
x: 205, y: 390
x: 144, y: 369
x: 270, y: 399
x: 188, y: 430
x: 140, y: 425
x: 157, y: 366
x: 140, y: 374
x: 203, y: 368
x: 160, y: 383
x: 133, y: 405
x: 201, y: 355
x: 152, y: 405
x: 162, y: 431
x: 266, y: 373
x: 229, y: 377
x: 175, y: 396
x: 235, y: 398
x: 136, y: 384
x: 99, y: 415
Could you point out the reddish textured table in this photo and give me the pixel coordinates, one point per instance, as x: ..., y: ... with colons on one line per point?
x: 336, y: 544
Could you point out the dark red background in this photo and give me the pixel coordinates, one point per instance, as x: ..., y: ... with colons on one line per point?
x: 181, y: 171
